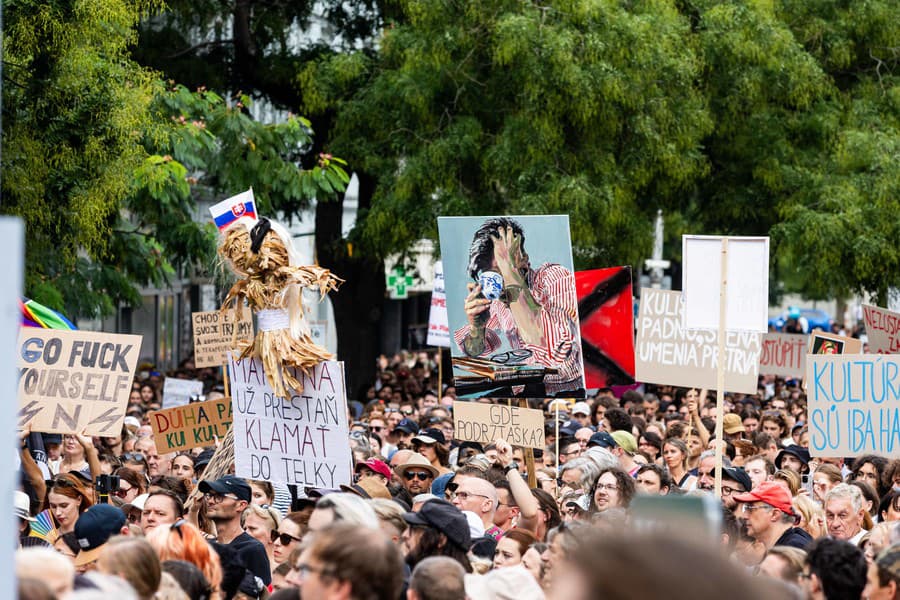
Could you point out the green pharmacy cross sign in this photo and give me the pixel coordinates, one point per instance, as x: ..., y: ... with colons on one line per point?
x: 398, y: 282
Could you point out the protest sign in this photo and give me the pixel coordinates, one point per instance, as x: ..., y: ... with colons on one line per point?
x: 213, y: 335
x: 486, y: 423
x: 74, y: 381
x: 522, y: 337
x: 883, y: 330
x: 438, y: 329
x: 606, y: 314
x: 178, y: 392
x: 852, y: 404
x: 783, y: 354
x: 298, y: 440
x: 192, y: 425
x: 747, y: 289
x: 829, y: 343
x: 667, y: 353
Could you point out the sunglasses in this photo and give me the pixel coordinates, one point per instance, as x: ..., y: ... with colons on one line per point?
x: 420, y: 475
x: 121, y: 492
x: 133, y: 457
x: 284, y: 538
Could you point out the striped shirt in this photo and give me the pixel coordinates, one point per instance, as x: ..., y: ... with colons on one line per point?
x: 553, y: 287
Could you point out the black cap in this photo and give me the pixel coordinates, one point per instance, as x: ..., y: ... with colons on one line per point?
x: 739, y: 475
x: 229, y: 484
x: 204, y: 457
x: 793, y: 449
x: 431, y: 436
x: 94, y: 527
x: 446, y: 518
x: 408, y: 426
x: 569, y: 428
x: 602, y: 439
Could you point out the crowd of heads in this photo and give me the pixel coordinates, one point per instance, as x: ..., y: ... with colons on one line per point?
x: 593, y: 512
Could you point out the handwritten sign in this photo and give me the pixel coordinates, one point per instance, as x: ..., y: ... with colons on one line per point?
x: 438, y: 329
x: 852, y: 404
x: 192, y: 425
x: 213, y: 333
x: 883, y: 329
x: 73, y: 381
x: 667, y: 353
x: 783, y: 354
x: 298, y: 440
x: 486, y: 423
x: 747, y: 292
x: 178, y: 392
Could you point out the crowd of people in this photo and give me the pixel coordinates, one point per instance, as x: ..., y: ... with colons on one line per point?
x: 432, y: 517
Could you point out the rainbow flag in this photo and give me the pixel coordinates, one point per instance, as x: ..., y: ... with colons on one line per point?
x: 35, y: 314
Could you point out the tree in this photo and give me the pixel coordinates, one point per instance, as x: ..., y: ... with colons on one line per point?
x: 103, y: 161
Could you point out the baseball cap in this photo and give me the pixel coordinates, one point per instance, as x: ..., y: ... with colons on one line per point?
x: 204, y: 458
x: 581, y: 408
x: 446, y: 518
x: 228, y: 484
x: 431, y: 436
x: 22, y: 506
x: 738, y: 475
x: 732, y: 424
x: 378, y: 466
x: 407, y: 426
x: 771, y: 493
x: 602, y: 439
x: 569, y: 428
x: 93, y: 529
x: 625, y: 441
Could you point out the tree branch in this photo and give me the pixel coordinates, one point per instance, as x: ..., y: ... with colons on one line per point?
x: 198, y: 46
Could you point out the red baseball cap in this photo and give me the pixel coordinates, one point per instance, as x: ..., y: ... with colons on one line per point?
x: 379, y: 466
x: 771, y: 493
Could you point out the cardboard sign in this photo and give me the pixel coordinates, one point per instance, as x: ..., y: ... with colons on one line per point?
x: 667, y: 353
x: 438, y: 329
x: 486, y: 423
x: 852, y: 404
x: 213, y: 332
x: 783, y: 354
x: 178, y: 392
x: 524, y: 338
x: 829, y: 343
x: 73, y: 381
x: 298, y: 440
x: 606, y: 314
x: 747, y: 292
x: 883, y: 329
x: 190, y: 426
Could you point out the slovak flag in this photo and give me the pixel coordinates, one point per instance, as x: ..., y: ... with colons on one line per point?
x: 228, y: 211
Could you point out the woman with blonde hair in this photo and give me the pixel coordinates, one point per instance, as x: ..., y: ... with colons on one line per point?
x: 812, y: 516
x: 183, y: 541
x: 134, y: 560
x: 259, y: 523
x: 788, y: 479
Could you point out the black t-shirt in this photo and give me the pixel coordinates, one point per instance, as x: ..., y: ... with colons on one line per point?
x: 795, y: 537
x: 253, y: 555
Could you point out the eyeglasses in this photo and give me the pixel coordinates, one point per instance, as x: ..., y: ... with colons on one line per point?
x: 750, y: 508
x: 134, y: 457
x: 284, y: 538
x: 465, y: 495
x: 217, y: 497
x: 122, y: 492
x: 420, y: 475
x: 305, y: 570
x: 375, y: 429
x: 607, y: 487
x: 728, y: 490
x: 513, y: 356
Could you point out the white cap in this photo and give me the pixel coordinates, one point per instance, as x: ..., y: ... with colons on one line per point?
x: 581, y: 408
x: 138, y: 502
x: 22, y: 506
x: 476, y: 526
x: 508, y: 583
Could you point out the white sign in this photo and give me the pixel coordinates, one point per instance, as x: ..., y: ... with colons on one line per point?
x: 178, y: 392
x: 747, y: 277
x: 438, y: 329
x: 301, y: 440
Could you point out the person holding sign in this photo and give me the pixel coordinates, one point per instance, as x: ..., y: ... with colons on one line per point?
x: 534, y: 310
